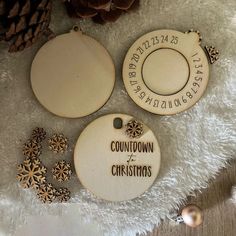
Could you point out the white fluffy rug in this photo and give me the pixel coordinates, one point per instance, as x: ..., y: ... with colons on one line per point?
x: 195, y: 144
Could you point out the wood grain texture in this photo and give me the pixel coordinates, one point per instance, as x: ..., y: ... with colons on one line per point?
x: 219, y: 211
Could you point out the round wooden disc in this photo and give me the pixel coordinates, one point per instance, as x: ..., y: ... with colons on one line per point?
x: 165, y: 71
x: 112, y: 165
x: 67, y: 74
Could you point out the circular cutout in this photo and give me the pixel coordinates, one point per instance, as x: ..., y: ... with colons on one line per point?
x: 165, y: 71
x: 67, y: 73
x: 112, y: 165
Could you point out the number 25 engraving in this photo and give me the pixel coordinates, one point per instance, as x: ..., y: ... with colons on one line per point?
x: 174, y: 40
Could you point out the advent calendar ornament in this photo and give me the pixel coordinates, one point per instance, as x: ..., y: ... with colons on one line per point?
x: 72, y: 75
x: 166, y: 71
x: 113, y: 165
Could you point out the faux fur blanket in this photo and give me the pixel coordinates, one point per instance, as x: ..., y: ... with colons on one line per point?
x: 195, y: 144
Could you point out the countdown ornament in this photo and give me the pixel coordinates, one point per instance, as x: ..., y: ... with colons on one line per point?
x: 72, y: 75
x: 166, y: 71
x: 113, y: 165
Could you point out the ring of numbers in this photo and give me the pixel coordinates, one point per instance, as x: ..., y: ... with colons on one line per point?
x: 187, y: 44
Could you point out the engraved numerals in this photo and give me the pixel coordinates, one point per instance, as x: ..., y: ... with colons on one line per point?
x: 151, y: 100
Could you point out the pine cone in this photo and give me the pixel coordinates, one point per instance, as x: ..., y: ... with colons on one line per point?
x: 22, y: 22
x: 101, y: 11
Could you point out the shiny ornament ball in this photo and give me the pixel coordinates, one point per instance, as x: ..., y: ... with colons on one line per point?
x: 192, y: 215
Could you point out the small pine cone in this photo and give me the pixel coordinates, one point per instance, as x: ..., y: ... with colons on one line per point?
x: 23, y: 22
x: 101, y: 11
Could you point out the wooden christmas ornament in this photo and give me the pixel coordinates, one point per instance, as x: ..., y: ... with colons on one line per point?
x: 166, y: 72
x: 32, y: 149
x: 117, y: 157
x: 58, y: 143
x: 62, y: 171
x: 31, y: 173
x: 72, y: 75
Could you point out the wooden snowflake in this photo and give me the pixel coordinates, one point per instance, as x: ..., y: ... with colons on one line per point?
x: 46, y: 193
x: 32, y: 149
x: 61, y: 171
x: 58, y: 143
x: 134, y: 129
x: 62, y: 195
x: 38, y: 134
x: 212, y: 53
x: 31, y: 173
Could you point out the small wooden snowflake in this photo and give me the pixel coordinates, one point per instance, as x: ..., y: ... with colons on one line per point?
x: 32, y: 149
x: 38, y: 134
x: 62, y: 171
x: 58, y: 143
x: 31, y: 173
x: 134, y: 129
x: 212, y: 53
x: 63, y: 195
x: 46, y: 193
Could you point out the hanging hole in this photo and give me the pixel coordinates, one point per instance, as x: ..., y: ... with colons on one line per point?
x: 76, y: 28
x: 117, y: 123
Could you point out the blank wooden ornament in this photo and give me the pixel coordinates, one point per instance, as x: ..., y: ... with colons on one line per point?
x: 72, y: 75
x: 112, y: 165
x: 165, y: 71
